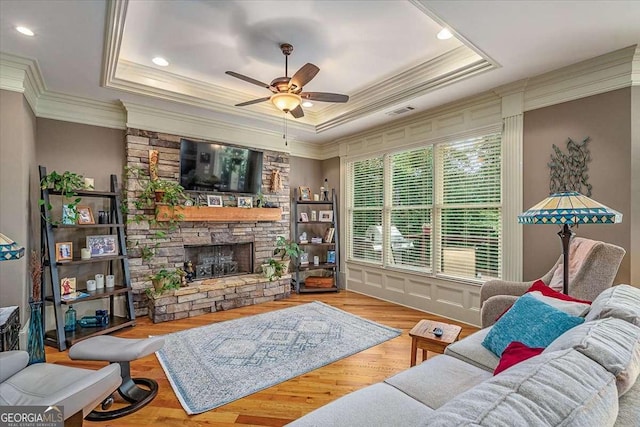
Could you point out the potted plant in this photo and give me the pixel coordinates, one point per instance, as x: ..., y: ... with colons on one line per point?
x: 165, y: 280
x: 274, y: 268
x: 66, y: 183
x: 286, y: 249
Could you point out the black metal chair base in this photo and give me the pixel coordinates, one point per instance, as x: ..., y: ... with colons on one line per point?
x: 129, y: 390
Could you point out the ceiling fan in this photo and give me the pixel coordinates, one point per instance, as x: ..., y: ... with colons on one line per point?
x: 287, y: 91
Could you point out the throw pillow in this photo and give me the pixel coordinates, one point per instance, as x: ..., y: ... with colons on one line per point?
x: 539, y: 286
x: 531, y: 322
x: 515, y: 353
x: 569, y: 307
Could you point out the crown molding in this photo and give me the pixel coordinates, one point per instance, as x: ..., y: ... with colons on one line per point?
x: 611, y: 71
x: 152, y: 119
x: 116, y: 16
x: 67, y: 108
x: 18, y: 74
x: 635, y: 67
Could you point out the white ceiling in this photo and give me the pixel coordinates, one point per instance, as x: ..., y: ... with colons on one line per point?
x: 383, y: 54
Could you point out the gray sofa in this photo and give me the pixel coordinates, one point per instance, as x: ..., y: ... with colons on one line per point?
x: 586, y: 377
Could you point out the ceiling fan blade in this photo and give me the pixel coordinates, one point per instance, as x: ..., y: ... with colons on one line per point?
x: 324, y: 96
x: 304, y: 75
x: 253, y: 101
x: 297, y: 112
x: 250, y: 80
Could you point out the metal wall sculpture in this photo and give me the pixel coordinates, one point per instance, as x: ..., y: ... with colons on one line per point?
x: 569, y: 171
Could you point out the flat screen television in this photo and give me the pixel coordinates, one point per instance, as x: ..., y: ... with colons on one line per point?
x: 219, y: 167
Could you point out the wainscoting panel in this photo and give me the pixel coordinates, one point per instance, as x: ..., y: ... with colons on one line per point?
x: 455, y: 300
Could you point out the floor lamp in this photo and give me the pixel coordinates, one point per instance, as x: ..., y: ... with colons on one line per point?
x: 566, y: 210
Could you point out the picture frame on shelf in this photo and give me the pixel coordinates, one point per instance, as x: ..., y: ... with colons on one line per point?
x: 67, y: 285
x: 214, y: 201
x: 304, y: 258
x: 304, y: 217
x: 245, y: 201
x: 305, y: 193
x: 103, y: 245
x: 85, y: 215
x: 326, y: 216
x: 331, y: 257
x: 328, y: 235
x: 64, y: 251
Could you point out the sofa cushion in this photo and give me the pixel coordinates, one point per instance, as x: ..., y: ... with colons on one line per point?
x: 530, y: 322
x: 562, y: 388
x: 376, y: 405
x: 613, y: 343
x: 629, y: 412
x: 438, y: 379
x: 621, y: 301
x: 570, y: 307
x: 470, y: 350
x: 515, y: 353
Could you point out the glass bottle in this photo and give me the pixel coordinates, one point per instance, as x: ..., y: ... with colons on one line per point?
x: 70, y: 319
x: 35, y: 346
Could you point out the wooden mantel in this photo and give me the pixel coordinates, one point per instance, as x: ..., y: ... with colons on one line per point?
x: 228, y: 214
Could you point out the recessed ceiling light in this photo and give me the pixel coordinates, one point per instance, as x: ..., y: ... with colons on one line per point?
x: 25, y: 31
x: 160, y: 61
x: 444, y: 34
x: 307, y: 104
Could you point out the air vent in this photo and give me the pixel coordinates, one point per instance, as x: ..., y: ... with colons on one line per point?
x: 400, y: 111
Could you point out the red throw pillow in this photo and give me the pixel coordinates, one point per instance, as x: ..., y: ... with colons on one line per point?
x: 545, y: 290
x: 539, y: 286
x: 515, y: 353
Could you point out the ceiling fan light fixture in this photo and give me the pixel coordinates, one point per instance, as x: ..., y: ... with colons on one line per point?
x: 286, y: 101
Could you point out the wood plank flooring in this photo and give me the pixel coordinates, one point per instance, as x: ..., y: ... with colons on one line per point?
x: 284, y: 402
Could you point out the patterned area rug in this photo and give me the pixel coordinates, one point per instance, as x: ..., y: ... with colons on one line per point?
x: 216, y: 364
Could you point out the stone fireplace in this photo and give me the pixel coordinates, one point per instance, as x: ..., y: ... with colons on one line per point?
x: 218, y: 250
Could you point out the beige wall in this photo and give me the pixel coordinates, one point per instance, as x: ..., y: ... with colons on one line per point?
x: 606, y: 120
x: 18, y: 190
x: 306, y: 173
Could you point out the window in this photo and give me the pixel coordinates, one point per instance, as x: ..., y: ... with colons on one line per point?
x: 435, y: 209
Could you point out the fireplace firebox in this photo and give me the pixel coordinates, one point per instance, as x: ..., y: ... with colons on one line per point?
x: 220, y: 260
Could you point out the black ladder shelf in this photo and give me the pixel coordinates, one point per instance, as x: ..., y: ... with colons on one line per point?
x: 321, y: 249
x: 51, y: 288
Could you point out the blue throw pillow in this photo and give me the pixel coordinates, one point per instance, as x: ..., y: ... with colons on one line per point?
x: 531, y: 322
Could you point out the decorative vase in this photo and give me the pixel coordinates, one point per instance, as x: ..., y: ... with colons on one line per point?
x: 35, y: 346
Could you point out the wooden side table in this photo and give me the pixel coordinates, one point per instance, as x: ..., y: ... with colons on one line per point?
x: 422, y: 337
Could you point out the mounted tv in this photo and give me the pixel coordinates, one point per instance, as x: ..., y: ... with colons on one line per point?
x: 220, y: 168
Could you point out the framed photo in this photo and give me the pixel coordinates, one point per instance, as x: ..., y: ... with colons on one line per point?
x: 305, y: 193
x: 245, y: 202
x: 85, y: 215
x: 67, y: 285
x: 304, y: 217
x: 326, y: 216
x: 106, y: 245
x: 64, y: 251
x: 304, y: 258
x: 214, y: 201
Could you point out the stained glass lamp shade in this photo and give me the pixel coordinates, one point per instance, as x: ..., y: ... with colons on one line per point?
x: 9, y: 249
x: 566, y: 210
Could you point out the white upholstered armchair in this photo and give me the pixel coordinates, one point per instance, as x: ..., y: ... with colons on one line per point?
x: 593, y: 266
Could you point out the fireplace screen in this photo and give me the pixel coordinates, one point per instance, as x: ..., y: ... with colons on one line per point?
x: 220, y: 260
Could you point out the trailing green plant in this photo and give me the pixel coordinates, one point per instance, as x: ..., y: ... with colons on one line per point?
x: 67, y: 184
x: 286, y: 249
x: 279, y: 268
x: 165, y: 280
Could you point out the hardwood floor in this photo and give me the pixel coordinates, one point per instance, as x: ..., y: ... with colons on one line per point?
x: 284, y: 402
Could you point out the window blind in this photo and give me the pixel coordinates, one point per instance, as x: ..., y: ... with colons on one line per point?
x: 468, y: 208
x: 365, y: 209
x: 411, y: 208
